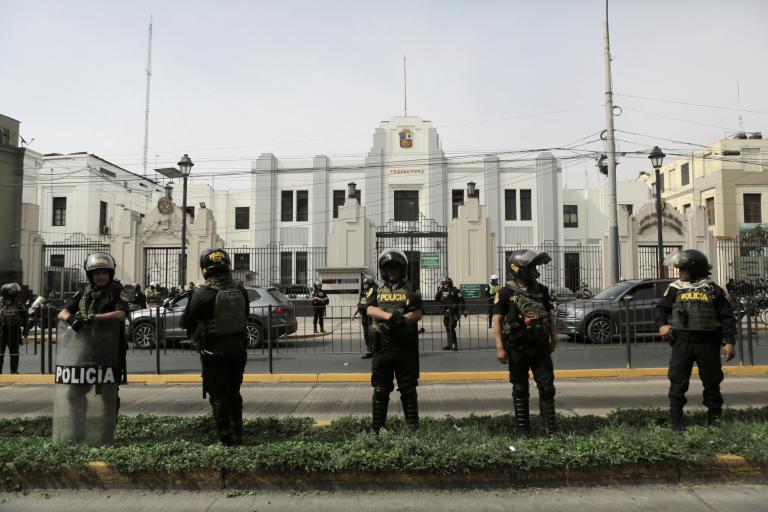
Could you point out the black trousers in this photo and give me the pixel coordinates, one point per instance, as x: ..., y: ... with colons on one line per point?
x: 318, y: 316
x: 707, y: 358
x: 538, y: 360
x: 449, y: 322
x: 365, y: 321
x: 490, y: 315
x: 222, y: 378
x: 388, y: 365
x: 10, y: 340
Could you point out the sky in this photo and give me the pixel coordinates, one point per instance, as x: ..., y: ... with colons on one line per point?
x: 234, y: 79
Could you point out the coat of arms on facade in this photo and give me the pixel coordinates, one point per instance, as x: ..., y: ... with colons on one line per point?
x: 406, y: 138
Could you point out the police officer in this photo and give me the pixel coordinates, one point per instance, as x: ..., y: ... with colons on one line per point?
x: 490, y: 291
x: 153, y: 294
x: 319, y: 302
x: 216, y: 316
x: 453, y: 304
x: 103, y: 299
x: 395, y: 308
x: 368, y: 288
x: 525, y: 337
x: 13, y: 324
x: 695, y: 316
x: 139, y: 298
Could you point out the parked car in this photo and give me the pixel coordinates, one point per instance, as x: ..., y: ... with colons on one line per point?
x: 625, y: 309
x: 143, y: 322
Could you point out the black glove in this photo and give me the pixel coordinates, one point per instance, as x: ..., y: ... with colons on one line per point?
x: 89, y: 319
x: 396, y: 320
x: 76, y: 322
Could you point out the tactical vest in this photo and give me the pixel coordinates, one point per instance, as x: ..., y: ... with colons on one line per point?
x: 10, y: 315
x: 390, y: 299
x: 228, y: 318
x: 493, y: 289
x: 694, y: 309
x: 450, y: 299
x: 93, y: 301
x: 319, y: 294
x: 362, y: 304
x: 527, y: 319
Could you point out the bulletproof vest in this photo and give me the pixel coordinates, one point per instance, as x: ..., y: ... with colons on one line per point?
x: 694, y: 309
x: 319, y: 294
x: 449, y: 299
x: 389, y: 298
x: 9, y: 315
x: 527, y: 318
x: 228, y: 318
x: 362, y: 304
x: 94, y: 300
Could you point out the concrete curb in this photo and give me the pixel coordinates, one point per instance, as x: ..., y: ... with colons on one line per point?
x: 346, y: 378
x: 97, y: 475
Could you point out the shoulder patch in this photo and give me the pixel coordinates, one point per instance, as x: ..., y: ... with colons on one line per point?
x: 124, y: 296
x: 370, y: 292
x: 496, y: 298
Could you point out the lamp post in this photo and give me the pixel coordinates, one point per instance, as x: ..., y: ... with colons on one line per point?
x: 657, y: 157
x: 185, y: 166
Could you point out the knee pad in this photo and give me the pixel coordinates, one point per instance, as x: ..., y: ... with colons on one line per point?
x: 547, y: 392
x: 408, y: 392
x: 520, y: 390
x: 381, y: 393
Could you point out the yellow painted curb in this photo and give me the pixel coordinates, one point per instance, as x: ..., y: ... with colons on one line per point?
x: 358, y: 377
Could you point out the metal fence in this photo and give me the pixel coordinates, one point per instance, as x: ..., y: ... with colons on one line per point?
x: 744, y: 260
x: 571, y: 266
x: 62, y: 265
x: 276, y: 265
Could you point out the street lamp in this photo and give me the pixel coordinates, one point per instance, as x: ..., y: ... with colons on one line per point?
x: 657, y: 157
x: 185, y: 166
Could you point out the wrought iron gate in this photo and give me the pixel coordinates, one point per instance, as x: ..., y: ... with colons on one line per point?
x: 571, y: 266
x: 648, y: 261
x: 62, y: 264
x: 161, y: 266
x: 424, y: 242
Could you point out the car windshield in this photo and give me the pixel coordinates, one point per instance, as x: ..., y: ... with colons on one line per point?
x: 278, y: 295
x: 613, y: 292
x: 253, y: 295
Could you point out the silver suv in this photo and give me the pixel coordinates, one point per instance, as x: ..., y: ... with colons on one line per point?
x: 144, y: 322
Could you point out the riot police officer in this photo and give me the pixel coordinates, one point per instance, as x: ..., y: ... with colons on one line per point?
x: 95, y: 314
x: 695, y: 316
x: 525, y: 337
x: 453, y: 305
x: 319, y: 302
x: 490, y: 290
x: 395, y: 308
x: 217, y: 318
x: 13, y: 324
x: 368, y: 288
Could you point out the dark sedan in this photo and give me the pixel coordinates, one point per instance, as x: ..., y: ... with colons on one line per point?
x: 623, y: 310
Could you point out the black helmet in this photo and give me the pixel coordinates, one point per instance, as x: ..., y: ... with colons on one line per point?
x: 393, y: 258
x: 10, y: 290
x: 318, y: 284
x: 214, y: 261
x: 523, y: 262
x: 99, y: 261
x: 691, y: 260
x: 369, y: 280
x: 446, y: 280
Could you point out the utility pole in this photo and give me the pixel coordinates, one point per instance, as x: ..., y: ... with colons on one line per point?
x: 405, y: 89
x: 146, y: 104
x: 613, y: 219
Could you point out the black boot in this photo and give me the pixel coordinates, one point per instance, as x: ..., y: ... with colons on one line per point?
x: 410, y: 403
x: 676, y: 418
x: 713, y: 417
x: 455, y: 346
x: 522, y: 416
x: 380, y: 406
x: 548, y: 417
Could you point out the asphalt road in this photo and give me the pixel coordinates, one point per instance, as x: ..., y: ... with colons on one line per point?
x: 652, y: 498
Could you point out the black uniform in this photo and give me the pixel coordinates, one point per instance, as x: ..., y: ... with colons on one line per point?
x: 526, y: 334
x: 319, y: 302
x: 365, y: 320
x: 396, y: 352
x: 217, y: 318
x: 490, y: 291
x: 453, y: 304
x: 13, y: 325
x: 701, y: 318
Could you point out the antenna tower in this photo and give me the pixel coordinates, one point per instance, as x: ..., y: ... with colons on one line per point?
x: 146, y: 105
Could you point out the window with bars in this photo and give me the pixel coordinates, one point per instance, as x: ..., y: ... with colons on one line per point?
x: 302, y: 205
x: 103, y: 207
x: 59, y: 211
x: 570, y: 216
x: 510, y: 204
x: 286, y: 267
x: 526, y: 210
x: 286, y: 206
x: 709, y: 205
x: 242, y: 217
x: 406, y: 205
x: 752, y: 209
x: 301, y: 267
x: 57, y: 260
x: 242, y: 262
x: 457, y: 199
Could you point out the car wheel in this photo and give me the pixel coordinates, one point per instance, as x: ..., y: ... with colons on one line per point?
x: 764, y: 316
x: 255, y: 335
x: 600, y: 330
x: 144, y: 336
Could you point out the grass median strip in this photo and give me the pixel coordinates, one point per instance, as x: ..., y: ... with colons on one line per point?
x: 447, y: 446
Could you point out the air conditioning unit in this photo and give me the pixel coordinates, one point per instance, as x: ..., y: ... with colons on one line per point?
x: 105, y: 230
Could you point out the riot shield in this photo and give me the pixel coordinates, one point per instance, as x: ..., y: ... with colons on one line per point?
x: 86, y: 378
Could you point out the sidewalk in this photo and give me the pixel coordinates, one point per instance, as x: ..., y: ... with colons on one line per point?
x: 328, y: 401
